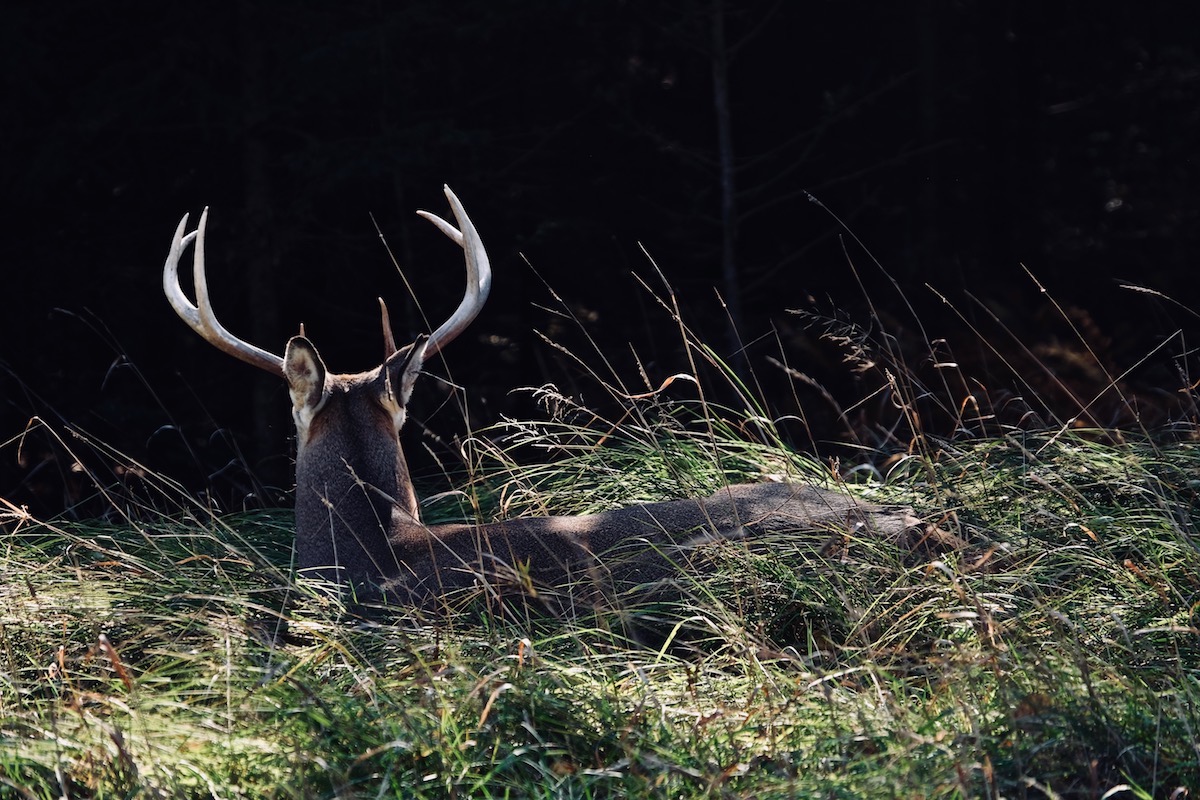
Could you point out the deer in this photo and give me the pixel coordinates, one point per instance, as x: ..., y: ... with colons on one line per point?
x: 358, y: 521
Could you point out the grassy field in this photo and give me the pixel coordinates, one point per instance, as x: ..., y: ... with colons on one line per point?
x: 168, y: 653
x: 1059, y: 656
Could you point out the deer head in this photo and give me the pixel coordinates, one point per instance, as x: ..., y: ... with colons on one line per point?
x: 353, y: 491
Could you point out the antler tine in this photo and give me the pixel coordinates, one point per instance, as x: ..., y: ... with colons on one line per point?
x: 175, y: 296
x: 389, y: 341
x: 200, y: 317
x: 479, y: 274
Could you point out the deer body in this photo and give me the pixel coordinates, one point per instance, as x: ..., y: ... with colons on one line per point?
x: 357, y: 518
x: 607, y: 556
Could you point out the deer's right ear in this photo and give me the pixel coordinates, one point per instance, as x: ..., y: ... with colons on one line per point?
x: 305, y: 373
x: 400, y: 372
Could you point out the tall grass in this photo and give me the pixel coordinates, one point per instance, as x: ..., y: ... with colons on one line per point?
x: 168, y: 652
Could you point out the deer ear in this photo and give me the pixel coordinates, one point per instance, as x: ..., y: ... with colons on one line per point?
x: 305, y: 373
x: 399, y: 373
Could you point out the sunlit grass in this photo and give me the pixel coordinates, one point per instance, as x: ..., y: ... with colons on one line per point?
x: 1061, y: 651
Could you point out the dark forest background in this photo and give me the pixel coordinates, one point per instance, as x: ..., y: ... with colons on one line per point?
x: 957, y: 140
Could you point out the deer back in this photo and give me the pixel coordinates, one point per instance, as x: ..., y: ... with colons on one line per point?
x: 632, y: 550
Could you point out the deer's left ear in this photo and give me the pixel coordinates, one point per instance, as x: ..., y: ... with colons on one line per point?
x: 399, y: 373
x: 305, y: 373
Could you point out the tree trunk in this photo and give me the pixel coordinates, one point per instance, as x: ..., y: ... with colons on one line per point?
x: 731, y: 285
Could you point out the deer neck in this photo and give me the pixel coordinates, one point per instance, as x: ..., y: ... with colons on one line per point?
x: 354, y: 496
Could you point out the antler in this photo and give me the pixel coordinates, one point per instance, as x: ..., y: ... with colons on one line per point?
x: 479, y: 274
x: 200, y: 317
x: 202, y: 320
